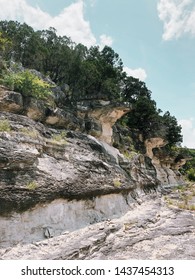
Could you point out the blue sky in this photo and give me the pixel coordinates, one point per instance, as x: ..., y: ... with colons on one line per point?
x: 154, y: 38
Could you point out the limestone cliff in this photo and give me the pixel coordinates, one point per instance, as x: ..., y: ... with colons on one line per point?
x: 55, y: 176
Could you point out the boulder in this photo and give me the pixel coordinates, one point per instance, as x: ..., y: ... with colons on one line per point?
x: 10, y: 101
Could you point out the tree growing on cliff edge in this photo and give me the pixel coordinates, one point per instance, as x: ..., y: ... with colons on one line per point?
x: 144, y: 117
x: 90, y: 73
x: 133, y: 89
x: 173, y: 130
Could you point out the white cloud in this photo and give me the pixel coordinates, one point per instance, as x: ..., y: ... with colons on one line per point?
x: 188, y: 131
x: 178, y: 17
x: 21, y: 11
x: 105, y: 41
x: 138, y: 73
x: 69, y: 22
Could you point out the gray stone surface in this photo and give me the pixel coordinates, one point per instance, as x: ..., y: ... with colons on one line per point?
x: 60, y: 216
x: 151, y: 230
x: 36, y: 168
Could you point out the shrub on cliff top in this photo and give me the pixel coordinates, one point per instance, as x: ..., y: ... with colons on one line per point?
x: 191, y: 174
x: 27, y: 83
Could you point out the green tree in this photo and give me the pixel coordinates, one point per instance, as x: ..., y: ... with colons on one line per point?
x: 90, y: 73
x: 101, y: 73
x: 145, y: 117
x: 112, y: 69
x: 133, y: 89
x: 19, y: 35
x: 5, y: 45
x: 173, y: 134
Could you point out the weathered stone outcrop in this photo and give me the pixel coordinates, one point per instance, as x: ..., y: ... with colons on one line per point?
x: 152, y: 143
x: 166, y: 167
x: 100, y: 116
x: 95, y: 117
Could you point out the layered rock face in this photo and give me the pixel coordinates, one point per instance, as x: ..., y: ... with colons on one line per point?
x: 56, y: 177
x: 38, y: 168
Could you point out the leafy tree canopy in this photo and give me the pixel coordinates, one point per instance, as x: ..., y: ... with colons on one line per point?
x: 90, y: 73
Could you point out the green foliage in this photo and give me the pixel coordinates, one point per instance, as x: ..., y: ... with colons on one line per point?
x: 101, y: 73
x: 133, y: 89
x: 129, y: 155
x: 27, y: 84
x: 189, y: 168
x: 8, y: 80
x: 87, y: 71
x: 5, y: 44
x: 19, y: 37
x: 144, y: 117
x: 191, y: 174
x: 173, y: 130
x: 5, y: 126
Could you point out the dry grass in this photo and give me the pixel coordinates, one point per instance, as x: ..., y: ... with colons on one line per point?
x: 29, y: 132
x: 186, y: 197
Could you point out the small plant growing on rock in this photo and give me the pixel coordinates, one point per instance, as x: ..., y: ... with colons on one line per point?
x: 59, y: 138
x: 5, y: 126
x: 32, y: 185
x: 169, y: 201
x: 191, y: 207
x: 128, y: 226
x: 186, y: 207
x: 117, y: 183
x: 180, y: 188
x: 181, y: 205
x: 31, y: 133
x: 129, y: 155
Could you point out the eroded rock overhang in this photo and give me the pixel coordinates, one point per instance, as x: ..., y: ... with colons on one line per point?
x: 100, y: 116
